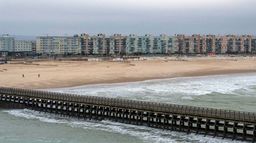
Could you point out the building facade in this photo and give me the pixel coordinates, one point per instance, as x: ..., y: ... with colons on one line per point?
x: 214, y: 44
x: 7, y: 43
x: 58, y: 45
x: 117, y: 44
x: 86, y: 44
x: 166, y: 44
x: 132, y: 44
x: 23, y: 46
x: 100, y: 44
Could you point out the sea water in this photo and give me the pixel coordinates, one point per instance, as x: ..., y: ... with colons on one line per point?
x: 232, y: 92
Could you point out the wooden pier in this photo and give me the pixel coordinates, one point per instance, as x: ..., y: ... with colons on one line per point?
x: 235, y: 125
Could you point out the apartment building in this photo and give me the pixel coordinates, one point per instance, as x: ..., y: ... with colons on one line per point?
x: 58, y: 45
x: 7, y: 43
x: 132, y: 44
x: 210, y: 46
x: 86, y: 44
x: 205, y: 44
x: 100, y: 44
x: 146, y: 44
x: 117, y: 44
x: 181, y: 44
x: 149, y: 44
x: 253, y: 45
x: 166, y: 44
x: 23, y: 46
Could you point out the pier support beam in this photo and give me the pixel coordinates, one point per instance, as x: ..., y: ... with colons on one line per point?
x: 234, y: 130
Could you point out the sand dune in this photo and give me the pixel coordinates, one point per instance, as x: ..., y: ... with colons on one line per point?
x: 73, y: 73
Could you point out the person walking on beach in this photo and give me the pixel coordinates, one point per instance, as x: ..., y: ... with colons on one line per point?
x: 38, y: 75
x: 23, y: 75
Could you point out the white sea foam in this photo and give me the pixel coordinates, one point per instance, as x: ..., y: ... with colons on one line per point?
x: 171, y: 90
x: 145, y: 133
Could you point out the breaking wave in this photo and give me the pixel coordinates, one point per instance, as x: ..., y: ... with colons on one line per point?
x: 220, y: 91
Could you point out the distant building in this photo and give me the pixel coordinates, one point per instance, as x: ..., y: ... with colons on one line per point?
x: 253, y: 45
x: 86, y: 44
x: 247, y: 44
x: 34, y: 47
x: 23, y: 46
x: 117, y: 44
x: 6, y: 43
x: 100, y: 44
x: 213, y: 44
x: 180, y: 44
x: 132, y: 44
x: 210, y: 44
x: 58, y: 45
x: 147, y: 44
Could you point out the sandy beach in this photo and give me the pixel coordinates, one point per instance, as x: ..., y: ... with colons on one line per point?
x: 55, y: 74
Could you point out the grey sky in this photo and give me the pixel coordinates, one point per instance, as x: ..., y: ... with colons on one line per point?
x: 58, y: 17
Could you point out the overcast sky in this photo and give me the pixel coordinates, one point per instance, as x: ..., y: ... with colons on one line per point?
x: 61, y: 17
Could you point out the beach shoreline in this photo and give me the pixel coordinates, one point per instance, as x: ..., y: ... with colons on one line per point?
x: 60, y: 74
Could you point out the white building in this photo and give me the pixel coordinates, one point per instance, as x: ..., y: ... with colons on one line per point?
x: 23, y: 46
x: 117, y: 44
x: 100, y: 44
x: 166, y: 44
x: 147, y: 44
x: 6, y: 43
x: 58, y: 45
x: 132, y: 44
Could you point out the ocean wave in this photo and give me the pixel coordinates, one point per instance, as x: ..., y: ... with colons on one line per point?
x: 171, y: 90
x: 145, y: 133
